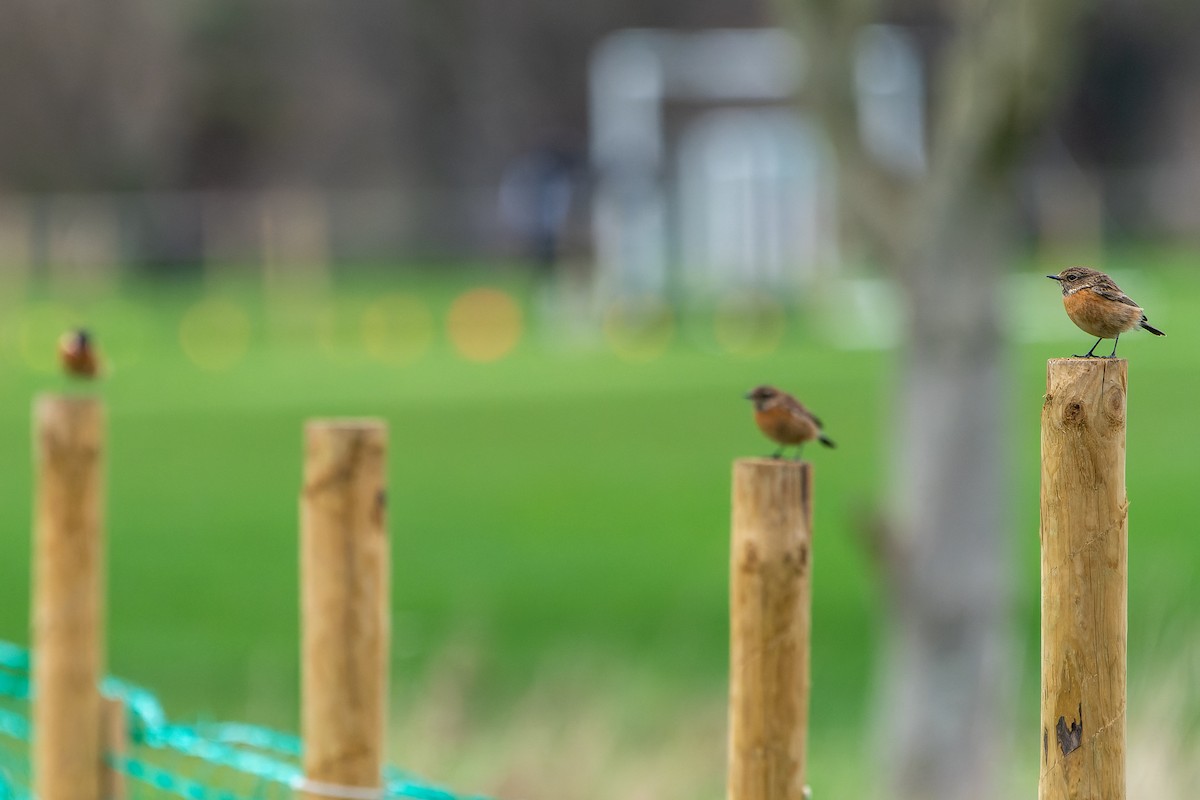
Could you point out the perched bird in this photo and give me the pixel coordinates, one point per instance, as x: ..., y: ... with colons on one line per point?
x: 77, y: 353
x: 784, y: 420
x: 1099, y: 307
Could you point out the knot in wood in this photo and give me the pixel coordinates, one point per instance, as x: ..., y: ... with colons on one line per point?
x: 1114, y: 407
x: 796, y: 560
x: 1073, y: 414
x: 749, y: 560
x: 379, y: 507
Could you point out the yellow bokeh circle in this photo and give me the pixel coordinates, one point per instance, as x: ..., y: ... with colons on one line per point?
x: 749, y: 324
x: 639, y: 329
x: 397, y: 329
x: 484, y: 324
x: 215, y: 333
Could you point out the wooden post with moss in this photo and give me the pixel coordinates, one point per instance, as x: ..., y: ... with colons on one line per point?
x: 345, y: 580
x: 1084, y: 580
x: 770, y: 623
x: 68, y: 596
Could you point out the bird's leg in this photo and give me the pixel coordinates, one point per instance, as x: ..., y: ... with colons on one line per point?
x: 1113, y: 354
x: 778, y: 453
x: 1089, y: 352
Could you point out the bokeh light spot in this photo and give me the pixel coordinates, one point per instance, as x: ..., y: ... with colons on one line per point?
x: 397, y: 329
x: 38, y: 333
x: 749, y: 324
x: 484, y: 324
x: 639, y: 329
x: 215, y: 333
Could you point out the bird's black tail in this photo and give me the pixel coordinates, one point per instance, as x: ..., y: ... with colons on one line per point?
x: 1152, y: 329
x: 825, y: 440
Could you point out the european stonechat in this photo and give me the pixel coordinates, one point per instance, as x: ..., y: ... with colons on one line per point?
x: 1099, y: 307
x: 77, y: 353
x: 784, y: 420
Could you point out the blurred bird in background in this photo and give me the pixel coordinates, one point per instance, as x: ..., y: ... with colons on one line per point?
x: 784, y: 420
x: 77, y: 353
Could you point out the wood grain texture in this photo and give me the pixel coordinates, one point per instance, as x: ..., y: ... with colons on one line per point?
x: 68, y: 596
x: 770, y: 623
x: 1084, y: 580
x: 345, y: 586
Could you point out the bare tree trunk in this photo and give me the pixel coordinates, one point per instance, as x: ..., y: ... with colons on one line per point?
x: 945, y: 676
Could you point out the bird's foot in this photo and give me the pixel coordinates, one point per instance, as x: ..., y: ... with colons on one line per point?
x: 1092, y: 353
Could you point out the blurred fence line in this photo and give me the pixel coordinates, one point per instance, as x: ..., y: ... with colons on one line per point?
x: 72, y: 235
x: 86, y: 240
x: 79, y: 243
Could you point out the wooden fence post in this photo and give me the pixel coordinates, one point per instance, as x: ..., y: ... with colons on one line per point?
x: 114, y: 743
x: 345, y: 569
x: 68, y: 596
x: 770, y: 623
x: 1084, y: 549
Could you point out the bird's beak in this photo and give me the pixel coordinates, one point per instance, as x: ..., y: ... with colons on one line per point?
x: 748, y: 395
x: 1054, y: 277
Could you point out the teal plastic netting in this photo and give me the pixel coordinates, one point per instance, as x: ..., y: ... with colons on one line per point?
x: 200, y: 761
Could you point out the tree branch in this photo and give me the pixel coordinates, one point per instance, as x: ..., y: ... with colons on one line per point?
x: 998, y: 79
x: 870, y: 195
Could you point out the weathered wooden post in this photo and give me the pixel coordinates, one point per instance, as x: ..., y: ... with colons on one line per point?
x: 1084, y: 581
x: 114, y: 743
x: 770, y: 623
x: 345, y: 580
x: 68, y: 596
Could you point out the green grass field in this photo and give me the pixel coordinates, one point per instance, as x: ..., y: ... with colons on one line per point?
x: 561, y: 508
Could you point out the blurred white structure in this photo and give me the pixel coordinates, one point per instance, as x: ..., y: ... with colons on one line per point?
x: 756, y: 202
x: 745, y: 195
x: 890, y: 91
x: 741, y: 176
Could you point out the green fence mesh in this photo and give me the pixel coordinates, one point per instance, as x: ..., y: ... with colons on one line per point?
x: 199, y: 761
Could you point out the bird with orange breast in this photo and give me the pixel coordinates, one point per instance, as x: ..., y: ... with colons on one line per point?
x: 1099, y: 307
x: 77, y: 354
x: 784, y: 420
